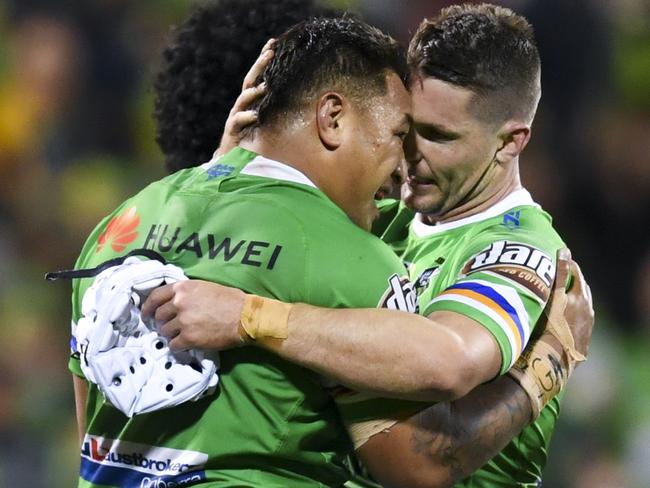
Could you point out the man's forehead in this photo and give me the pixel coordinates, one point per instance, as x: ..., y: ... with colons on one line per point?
x: 434, y: 100
x: 398, y: 95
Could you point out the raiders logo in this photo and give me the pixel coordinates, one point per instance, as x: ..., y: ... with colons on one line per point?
x: 400, y: 295
x: 425, y: 278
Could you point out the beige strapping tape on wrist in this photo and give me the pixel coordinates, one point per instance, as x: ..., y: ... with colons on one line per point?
x: 264, y: 318
x: 541, y: 374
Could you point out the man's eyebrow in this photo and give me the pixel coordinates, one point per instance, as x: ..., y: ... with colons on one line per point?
x: 430, y: 127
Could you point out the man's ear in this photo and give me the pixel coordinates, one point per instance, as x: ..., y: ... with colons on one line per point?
x: 514, y: 136
x: 331, y: 108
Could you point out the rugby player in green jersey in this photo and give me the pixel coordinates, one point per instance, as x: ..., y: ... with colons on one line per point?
x: 292, y: 231
x: 287, y: 217
x: 489, y: 256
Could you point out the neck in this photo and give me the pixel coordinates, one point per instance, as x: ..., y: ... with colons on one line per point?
x: 280, y: 146
x: 309, y: 157
x: 493, y: 187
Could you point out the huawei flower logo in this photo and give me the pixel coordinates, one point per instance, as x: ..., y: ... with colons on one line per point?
x: 120, y: 231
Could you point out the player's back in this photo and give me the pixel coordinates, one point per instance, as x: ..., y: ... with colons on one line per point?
x: 270, y: 423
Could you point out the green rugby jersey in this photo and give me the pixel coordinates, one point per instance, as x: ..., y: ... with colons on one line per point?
x: 496, y: 267
x: 262, y: 226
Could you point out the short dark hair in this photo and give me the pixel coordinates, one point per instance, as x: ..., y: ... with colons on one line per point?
x: 488, y: 49
x: 343, y: 54
x: 203, y: 68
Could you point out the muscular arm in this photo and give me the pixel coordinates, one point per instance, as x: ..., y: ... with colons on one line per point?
x: 80, y: 397
x: 391, y: 353
x: 446, y: 442
x: 440, y: 444
x: 419, y: 355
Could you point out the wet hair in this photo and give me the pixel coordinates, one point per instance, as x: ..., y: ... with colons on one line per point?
x: 342, y: 54
x: 488, y: 49
x: 204, y: 65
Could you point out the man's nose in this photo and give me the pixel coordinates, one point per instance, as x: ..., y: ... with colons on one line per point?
x: 411, y: 152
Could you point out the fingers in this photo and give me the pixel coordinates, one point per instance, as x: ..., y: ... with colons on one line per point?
x: 247, y: 97
x: 175, y: 340
x: 180, y: 337
x: 269, y: 44
x: 580, y: 312
x: 166, y: 312
x: 259, y: 65
x: 171, y: 329
x: 178, y: 344
x: 578, y: 278
x: 240, y: 116
x: 242, y: 119
x: 563, y: 268
x: 155, y: 299
x: 579, y: 284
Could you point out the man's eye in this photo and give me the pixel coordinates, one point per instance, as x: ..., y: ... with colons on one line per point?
x: 438, y: 137
x: 434, y: 135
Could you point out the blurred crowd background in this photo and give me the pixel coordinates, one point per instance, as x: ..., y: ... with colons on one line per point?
x: 77, y: 137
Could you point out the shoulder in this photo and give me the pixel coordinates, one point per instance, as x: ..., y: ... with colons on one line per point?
x: 342, y: 264
x: 519, y: 244
x: 526, y: 223
x: 520, y: 235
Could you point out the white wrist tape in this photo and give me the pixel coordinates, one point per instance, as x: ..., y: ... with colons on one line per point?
x: 127, y: 359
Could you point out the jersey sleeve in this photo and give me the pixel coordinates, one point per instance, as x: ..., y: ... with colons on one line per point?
x: 79, y: 287
x: 89, y: 257
x: 74, y: 361
x: 504, y: 286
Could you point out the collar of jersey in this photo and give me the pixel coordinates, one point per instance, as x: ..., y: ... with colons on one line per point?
x: 518, y: 198
x: 269, y: 168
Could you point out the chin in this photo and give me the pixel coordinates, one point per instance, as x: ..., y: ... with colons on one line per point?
x: 421, y: 203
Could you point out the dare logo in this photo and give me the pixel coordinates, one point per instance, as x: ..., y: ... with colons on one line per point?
x: 120, y: 231
x: 525, y: 264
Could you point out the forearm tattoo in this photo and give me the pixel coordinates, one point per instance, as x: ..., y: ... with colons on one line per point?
x: 464, y: 434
